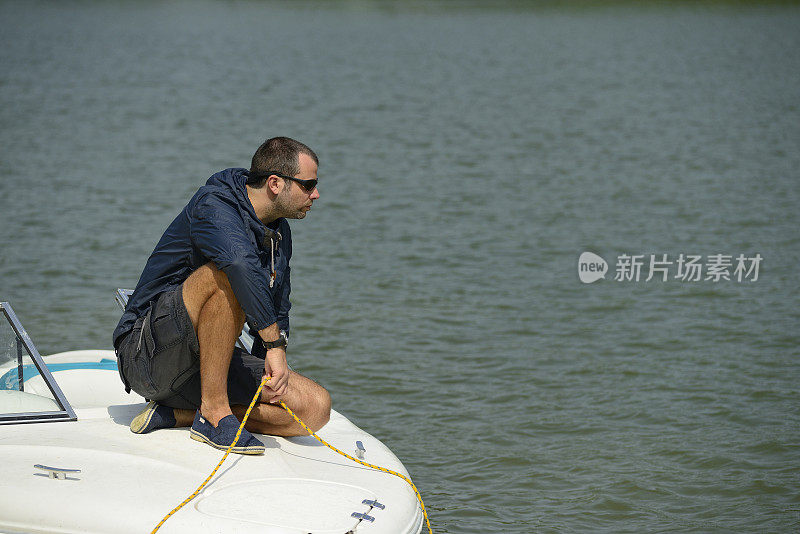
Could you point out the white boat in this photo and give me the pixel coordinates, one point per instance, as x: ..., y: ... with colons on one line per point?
x: 70, y: 463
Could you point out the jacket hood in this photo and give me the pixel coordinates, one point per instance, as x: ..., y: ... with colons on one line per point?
x: 233, y: 181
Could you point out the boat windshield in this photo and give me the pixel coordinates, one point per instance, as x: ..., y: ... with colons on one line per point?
x: 28, y: 392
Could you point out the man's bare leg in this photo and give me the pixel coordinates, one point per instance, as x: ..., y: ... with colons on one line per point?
x: 307, y: 399
x: 217, y: 318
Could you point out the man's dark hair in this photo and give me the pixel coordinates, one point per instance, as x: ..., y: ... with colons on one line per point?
x: 279, y: 155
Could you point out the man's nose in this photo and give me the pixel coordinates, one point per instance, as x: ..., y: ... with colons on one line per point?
x: 314, y: 194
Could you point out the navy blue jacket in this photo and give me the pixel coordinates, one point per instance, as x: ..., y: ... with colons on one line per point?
x: 219, y: 225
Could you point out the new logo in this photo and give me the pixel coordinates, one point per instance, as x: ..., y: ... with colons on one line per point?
x: 591, y: 267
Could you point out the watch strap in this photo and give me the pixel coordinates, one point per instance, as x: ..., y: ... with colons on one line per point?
x: 280, y: 342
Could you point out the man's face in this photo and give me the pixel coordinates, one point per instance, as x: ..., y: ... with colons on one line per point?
x: 294, y: 201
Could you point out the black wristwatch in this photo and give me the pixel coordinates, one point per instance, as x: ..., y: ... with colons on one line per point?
x: 282, y: 341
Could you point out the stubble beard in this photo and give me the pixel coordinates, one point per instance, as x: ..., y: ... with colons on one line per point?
x: 285, y: 208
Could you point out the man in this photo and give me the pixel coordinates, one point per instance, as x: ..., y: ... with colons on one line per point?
x: 222, y: 262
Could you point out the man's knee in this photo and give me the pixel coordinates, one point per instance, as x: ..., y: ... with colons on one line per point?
x: 208, y: 283
x: 322, y: 407
x: 325, y: 404
x: 313, y: 401
x: 205, y: 280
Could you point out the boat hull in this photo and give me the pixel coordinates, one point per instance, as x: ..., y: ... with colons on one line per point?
x: 128, y: 482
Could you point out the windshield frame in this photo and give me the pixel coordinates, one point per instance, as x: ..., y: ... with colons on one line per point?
x: 66, y: 413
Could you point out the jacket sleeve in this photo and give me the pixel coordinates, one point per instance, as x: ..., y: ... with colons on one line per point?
x: 282, y: 296
x: 283, y: 299
x: 219, y: 233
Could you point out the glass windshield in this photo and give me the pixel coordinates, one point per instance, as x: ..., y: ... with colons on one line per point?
x: 28, y: 392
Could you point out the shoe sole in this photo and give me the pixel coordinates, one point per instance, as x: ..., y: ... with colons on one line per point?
x: 252, y: 449
x: 141, y: 421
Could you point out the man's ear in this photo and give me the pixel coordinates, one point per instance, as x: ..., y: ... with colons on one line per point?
x: 275, y: 184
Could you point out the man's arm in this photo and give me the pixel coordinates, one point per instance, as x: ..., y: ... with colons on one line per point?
x: 218, y: 231
x: 282, y: 303
x: 275, y: 363
x: 282, y: 300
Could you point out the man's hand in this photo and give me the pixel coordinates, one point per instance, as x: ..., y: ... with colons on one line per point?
x: 276, y: 368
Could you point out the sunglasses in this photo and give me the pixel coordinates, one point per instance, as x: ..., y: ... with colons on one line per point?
x: 307, y: 185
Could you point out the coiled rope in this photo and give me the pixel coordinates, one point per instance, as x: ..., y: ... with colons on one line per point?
x: 312, y: 433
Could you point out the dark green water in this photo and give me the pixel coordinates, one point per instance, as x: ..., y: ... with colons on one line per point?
x: 469, y: 155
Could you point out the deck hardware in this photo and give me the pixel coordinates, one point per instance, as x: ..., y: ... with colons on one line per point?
x: 360, y: 450
x: 363, y: 517
x: 374, y: 503
x: 59, y: 473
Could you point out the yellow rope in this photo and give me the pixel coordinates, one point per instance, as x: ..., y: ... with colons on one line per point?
x: 311, y: 432
x: 395, y: 473
x: 227, y: 452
